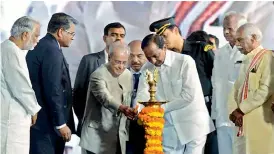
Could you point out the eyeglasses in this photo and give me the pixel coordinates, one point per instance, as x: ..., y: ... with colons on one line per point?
x: 117, y: 62
x: 71, y: 33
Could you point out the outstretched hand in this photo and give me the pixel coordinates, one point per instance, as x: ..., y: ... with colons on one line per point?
x: 130, y: 113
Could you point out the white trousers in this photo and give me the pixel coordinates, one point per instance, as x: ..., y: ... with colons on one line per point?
x: 194, y: 147
x: 225, y: 139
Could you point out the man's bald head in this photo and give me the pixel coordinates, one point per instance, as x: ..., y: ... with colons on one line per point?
x: 232, y: 21
x: 249, y: 37
x: 137, y: 57
x: 135, y: 44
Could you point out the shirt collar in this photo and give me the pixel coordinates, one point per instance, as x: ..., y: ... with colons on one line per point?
x: 254, y: 51
x: 134, y: 72
x: 59, y: 45
x: 168, y: 58
x: 106, y: 55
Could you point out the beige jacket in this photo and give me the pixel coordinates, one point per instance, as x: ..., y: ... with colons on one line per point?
x: 258, y: 118
x: 102, y: 121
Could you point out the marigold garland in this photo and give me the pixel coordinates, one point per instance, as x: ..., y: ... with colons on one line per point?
x: 151, y: 117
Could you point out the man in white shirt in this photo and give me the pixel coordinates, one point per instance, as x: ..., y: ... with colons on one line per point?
x: 137, y: 59
x: 228, y: 60
x: 187, y: 121
x: 19, y: 105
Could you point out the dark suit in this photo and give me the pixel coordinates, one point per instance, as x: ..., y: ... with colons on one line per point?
x: 88, y: 65
x: 49, y: 75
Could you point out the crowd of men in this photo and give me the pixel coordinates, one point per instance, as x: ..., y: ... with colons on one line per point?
x: 220, y: 100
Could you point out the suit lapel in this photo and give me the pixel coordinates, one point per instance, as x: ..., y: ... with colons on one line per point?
x: 101, y: 58
x: 66, y: 66
x: 122, y: 80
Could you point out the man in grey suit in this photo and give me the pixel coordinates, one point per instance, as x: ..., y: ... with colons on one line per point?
x: 107, y: 109
x: 113, y: 32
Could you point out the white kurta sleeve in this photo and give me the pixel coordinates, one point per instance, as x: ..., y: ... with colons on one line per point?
x: 214, y: 85
x: 17, y: 78
x: 190, y: 84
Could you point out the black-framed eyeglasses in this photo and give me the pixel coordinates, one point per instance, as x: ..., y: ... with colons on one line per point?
x: 71, y: 33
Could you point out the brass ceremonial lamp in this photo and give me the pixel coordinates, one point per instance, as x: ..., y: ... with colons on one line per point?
x: 152, y: 81
x: 151, y: 117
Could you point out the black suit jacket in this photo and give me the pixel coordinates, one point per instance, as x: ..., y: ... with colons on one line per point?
x: 49, y: 75
x: 89, y: 63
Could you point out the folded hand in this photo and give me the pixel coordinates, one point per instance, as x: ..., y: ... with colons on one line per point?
x: 65, y: 133
x: 237, y: 117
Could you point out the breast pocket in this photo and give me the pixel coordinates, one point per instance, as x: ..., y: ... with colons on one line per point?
x: 94, y: 124
x: 176, y: 87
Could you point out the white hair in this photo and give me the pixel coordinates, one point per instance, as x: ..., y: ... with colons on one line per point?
x: 120, y: 46
x: 250, y: 29
x: 240, y: 18
x: 21, y: 25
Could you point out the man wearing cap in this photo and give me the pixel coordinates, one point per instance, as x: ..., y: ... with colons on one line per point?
x: 200, y: 51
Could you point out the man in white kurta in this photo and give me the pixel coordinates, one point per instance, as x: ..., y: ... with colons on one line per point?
x: 227, y: 63
x: 187, y: 121
x: 18, y: 102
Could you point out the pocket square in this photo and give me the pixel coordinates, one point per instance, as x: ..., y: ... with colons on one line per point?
x: 254, y: 70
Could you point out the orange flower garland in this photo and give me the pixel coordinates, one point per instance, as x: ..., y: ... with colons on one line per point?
x: 151, y: 117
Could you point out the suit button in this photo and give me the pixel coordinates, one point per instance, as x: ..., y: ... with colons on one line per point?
x: 65, y: 106
x: 64, y: 91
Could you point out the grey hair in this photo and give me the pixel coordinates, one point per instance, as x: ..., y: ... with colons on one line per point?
x: 240, y: 18
x: 250, y: 29
x: 21, y: 25
x: 60, y: 20
x: 118, y: 45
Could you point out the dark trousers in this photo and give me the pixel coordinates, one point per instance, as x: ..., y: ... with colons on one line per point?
x: 45, y: 143
x: 211, y: 146
x: 136, y: 143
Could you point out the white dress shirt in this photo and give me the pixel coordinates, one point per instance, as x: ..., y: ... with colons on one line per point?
x: 225, y: 72
x: 133, y: 81
x: 106, y: 56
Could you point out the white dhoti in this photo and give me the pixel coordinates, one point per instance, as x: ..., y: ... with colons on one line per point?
x: 194, y: 147
x: 225, y: 139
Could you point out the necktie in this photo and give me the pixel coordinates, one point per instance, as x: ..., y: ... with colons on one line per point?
x: 135, y: 88
x: 136, y: 81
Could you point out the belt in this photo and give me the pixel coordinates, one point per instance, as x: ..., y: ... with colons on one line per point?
x: 208, y: 99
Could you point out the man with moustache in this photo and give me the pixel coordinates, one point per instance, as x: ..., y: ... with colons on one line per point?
x: 113, y: 32
x: 137, y: 59
x: 187, y: 121
x: 202, y: 54
x: 227, y: 63
x: 19, y: 105
x: 248, y: 105
x: 108, y: 105
x: 49, y: 75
